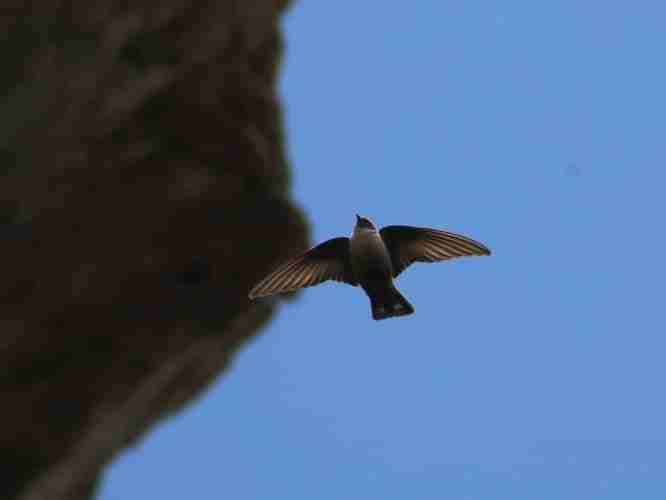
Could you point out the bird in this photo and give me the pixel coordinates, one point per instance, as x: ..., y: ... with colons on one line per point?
x: 370, y: 259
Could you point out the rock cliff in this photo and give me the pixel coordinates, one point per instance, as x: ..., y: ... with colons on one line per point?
x: 144, y: 190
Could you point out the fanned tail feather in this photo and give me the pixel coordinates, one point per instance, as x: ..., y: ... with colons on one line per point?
x: 390, y: 304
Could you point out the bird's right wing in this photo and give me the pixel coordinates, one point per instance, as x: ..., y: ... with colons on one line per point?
x: 327, y: 261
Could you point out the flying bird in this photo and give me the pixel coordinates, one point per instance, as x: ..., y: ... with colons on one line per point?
x: 371, y: 259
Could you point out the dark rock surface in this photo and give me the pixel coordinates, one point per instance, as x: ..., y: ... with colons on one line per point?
x: 144, y: 190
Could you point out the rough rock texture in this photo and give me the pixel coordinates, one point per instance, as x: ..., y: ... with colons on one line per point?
x: 144, y: 190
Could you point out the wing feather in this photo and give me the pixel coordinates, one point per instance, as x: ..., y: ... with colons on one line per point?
x: 327, y: 261
x: 407, y: 245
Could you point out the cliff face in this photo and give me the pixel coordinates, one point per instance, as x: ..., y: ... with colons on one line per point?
x: 144, y: 191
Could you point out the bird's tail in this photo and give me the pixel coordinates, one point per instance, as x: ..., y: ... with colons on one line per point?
x: 389, y: 304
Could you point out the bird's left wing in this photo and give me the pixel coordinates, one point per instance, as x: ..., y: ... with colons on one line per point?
x: 327, y: 261
x: 408, y: 244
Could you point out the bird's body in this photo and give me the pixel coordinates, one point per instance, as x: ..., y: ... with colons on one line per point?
x: 371, y: 259
x: 372, y: 269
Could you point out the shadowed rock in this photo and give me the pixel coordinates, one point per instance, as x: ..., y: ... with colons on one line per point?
x: 143, y: 173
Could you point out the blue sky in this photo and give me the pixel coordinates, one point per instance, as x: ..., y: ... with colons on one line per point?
x: 538, y: 129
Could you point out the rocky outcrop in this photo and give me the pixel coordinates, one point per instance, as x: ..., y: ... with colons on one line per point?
x: 144, y: 190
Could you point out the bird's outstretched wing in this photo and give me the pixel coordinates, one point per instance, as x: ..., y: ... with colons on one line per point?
x: 327, y: 261
x: 408, y: 244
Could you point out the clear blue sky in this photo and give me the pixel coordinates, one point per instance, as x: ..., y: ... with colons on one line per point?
x: 538, y: 128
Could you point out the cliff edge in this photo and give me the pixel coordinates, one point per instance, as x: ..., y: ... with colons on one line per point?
x: 144, y: 191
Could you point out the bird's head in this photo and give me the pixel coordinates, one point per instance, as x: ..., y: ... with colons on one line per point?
x: 364, y: 224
